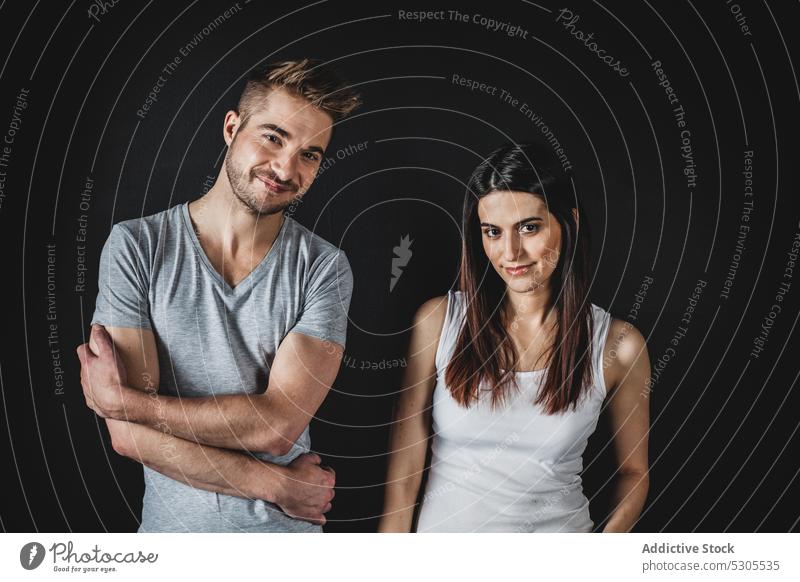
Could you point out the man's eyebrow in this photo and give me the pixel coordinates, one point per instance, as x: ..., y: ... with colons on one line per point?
x: 523, y: 221
x: 277, y: 129
x: 285, y: 134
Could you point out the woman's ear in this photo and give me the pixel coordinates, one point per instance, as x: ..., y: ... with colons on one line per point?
x: 575, y: 214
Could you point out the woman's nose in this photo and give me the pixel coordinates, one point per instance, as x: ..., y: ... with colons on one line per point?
x: 511, y: 248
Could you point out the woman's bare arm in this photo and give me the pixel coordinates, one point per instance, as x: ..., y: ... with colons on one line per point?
x: 629, y: 414
x: 410, y: 428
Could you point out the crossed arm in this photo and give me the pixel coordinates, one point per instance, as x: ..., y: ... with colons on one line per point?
x: 177, y: 437
x: 301, y: 375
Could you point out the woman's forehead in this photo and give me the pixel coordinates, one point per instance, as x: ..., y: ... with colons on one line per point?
x: 510, y: 206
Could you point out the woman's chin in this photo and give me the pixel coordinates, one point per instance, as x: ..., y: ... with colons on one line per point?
x: 514, y: 283
x: 523, y: 284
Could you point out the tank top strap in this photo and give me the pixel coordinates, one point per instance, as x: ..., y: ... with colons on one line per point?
x: 602, y: 323
x: 453, y: 320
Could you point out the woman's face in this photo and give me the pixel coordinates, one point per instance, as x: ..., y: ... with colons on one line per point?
x: 521, y: 238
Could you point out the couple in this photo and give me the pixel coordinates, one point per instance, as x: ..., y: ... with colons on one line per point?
x: 220, y: 326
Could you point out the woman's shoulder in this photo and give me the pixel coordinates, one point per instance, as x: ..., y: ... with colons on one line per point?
x: 430, y: 316
x: 426, y: 330
x: 624, y: 345
x: 624, y: 334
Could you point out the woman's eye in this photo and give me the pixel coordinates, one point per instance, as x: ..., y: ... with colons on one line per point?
x: 492, y: 232
x: 527, y: 228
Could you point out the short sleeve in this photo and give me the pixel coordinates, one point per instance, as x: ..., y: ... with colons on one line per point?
x: 123, y: 283
x: 327, y: 301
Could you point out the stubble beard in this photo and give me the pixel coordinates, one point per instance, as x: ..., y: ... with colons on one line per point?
x: 241, y: 187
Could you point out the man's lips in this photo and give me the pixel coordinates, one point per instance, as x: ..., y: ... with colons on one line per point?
x: 273, y: 186
x: 518, y: 270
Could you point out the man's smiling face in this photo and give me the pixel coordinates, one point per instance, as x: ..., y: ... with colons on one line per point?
x: 273, y: 159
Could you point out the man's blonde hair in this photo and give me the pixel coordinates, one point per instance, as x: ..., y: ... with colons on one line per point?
x: 306, y: 78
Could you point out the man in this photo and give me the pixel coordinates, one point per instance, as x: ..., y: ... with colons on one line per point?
x: 222, y: 325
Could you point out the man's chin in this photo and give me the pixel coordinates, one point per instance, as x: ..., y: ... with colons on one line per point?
x: 265, y: 206
x: 270, y: 209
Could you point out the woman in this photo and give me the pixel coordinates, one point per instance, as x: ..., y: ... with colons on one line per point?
x: 516, y: 367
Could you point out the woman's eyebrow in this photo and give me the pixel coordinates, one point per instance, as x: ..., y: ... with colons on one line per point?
x: 523, y: 221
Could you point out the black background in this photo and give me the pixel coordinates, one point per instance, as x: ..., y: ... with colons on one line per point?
x: 723, y: 445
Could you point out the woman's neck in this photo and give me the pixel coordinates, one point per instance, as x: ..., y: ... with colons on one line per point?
x: 528, y: 307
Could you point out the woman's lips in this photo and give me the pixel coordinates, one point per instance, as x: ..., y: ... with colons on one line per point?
x: 517, y: 271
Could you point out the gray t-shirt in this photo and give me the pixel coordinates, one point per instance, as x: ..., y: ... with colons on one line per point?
x: 213, y: 339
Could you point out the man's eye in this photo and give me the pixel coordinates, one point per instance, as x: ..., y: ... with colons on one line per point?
x: 529, y: 228
x: 272, y: 137
x: 311, y: 156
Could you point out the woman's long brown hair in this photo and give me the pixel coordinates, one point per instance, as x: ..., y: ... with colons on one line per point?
x: 484, y: 353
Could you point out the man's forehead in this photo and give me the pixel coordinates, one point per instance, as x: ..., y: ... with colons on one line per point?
x: 294, y: 114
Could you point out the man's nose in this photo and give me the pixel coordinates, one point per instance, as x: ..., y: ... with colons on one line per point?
x: 285, y: 166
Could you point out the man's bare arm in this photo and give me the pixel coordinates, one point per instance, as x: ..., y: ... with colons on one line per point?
x: 300, y: 378
x: 128, y: 357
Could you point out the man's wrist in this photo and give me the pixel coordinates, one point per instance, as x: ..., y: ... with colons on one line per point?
x: 269, y: 481
x: 134, y: 405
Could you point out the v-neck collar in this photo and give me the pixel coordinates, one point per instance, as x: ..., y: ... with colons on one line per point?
x: 251, y: 277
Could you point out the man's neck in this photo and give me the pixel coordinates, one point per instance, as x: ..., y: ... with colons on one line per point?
x: 222, y: 220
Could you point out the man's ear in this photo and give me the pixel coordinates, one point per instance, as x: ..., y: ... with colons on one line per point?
x: 230, y: 126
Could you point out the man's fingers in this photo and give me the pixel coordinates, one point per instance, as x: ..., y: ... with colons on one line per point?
x: 327, y: 508
x: 101, y: 339
x: 91, y: 406
x: 312, y: 458
x: 83, y: 353
x: 93, y: 345
x: 331, y: 475
x: 317, y: 519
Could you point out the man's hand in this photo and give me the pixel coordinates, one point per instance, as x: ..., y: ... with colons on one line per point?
x: 103, y: 375
x: 306, y: 489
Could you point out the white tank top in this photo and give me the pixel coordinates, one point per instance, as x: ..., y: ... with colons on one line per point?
x: 514, y: 468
